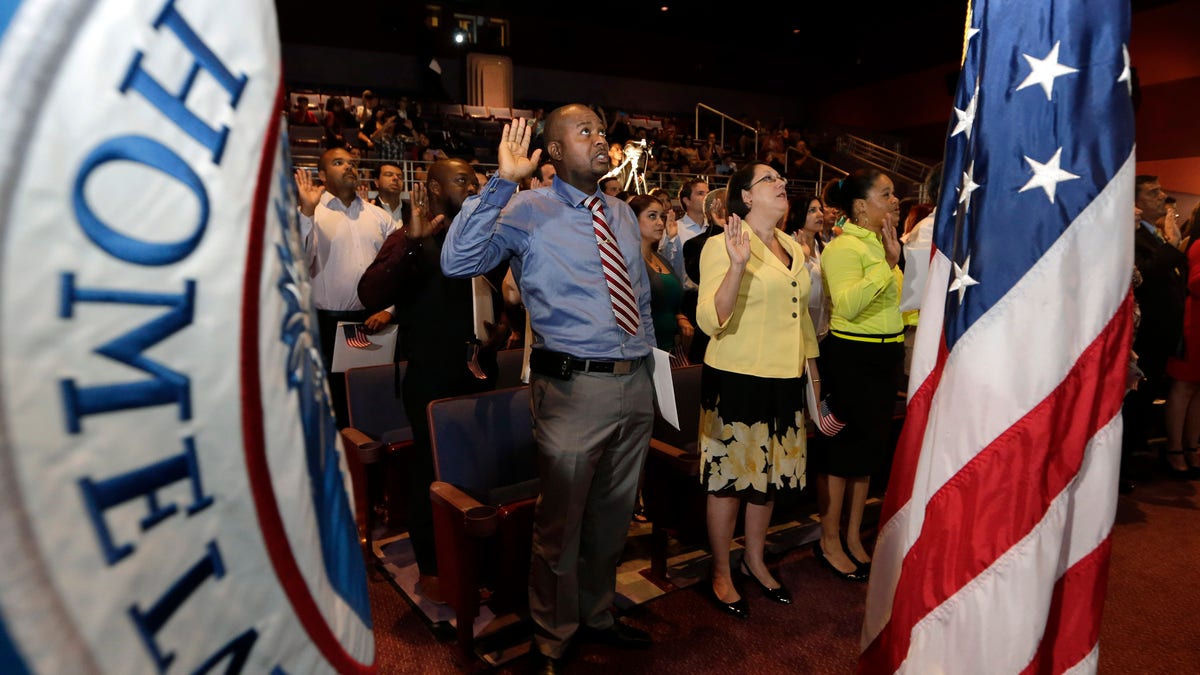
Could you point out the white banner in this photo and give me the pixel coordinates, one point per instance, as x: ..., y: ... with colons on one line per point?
x: 173, y: 496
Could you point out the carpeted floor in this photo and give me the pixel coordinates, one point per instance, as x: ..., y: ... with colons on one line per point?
x: 1150, y: 623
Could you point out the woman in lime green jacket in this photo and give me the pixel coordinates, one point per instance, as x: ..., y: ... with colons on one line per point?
x: 861, y: 360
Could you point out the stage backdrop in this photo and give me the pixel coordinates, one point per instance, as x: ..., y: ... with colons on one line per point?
x: 173, y: 497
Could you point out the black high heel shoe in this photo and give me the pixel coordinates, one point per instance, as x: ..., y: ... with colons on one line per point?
x: 1171, y: 471
x: 819, y: 554
x: 864, y: 568
x: 738, y: 608
x: 1193, y: 470
x: 781, y: 595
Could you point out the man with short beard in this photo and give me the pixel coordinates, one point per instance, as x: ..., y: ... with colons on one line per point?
x: 590, y: 389
x: 436, y: 317
x: 341, y: 234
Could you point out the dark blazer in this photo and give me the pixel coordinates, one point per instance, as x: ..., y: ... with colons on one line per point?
x: 692, y: 248
x: 1160, y: 297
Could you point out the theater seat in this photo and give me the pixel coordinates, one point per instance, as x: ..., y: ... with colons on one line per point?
x: 483, y: 502
x: 672, y: 496
x: 378, y: 430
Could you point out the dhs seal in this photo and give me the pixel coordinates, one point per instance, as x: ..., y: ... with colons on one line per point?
x: 173, y: 496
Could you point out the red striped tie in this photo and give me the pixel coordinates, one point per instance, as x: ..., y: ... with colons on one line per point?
x: 625, y: 307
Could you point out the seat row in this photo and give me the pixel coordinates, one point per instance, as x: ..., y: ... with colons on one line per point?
x: 486, y: 483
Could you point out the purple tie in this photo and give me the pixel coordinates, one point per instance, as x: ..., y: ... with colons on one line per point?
x: 620, y: 291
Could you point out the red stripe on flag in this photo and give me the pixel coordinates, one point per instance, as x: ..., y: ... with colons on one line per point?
x: 1071, y: 634
x: 988, y: 506
x: 912, y: 436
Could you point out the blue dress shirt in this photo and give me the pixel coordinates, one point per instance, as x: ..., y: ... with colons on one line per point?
x: 548, y: 234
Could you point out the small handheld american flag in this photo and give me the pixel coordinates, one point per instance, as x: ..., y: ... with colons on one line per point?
x: 827, y: 422
x: 356, y: 336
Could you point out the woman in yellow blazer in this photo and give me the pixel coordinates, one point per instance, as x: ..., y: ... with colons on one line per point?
x: 753, y: 302
x: 861, y: 356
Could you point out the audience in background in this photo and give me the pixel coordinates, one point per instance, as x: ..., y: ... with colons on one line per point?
x: 301, y: 115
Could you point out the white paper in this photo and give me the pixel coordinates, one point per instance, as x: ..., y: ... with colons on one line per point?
x: 528, y: 347
x: 482, y: 309
x: 810, y: 396
x: 382, y: 349
x: 664, y: 387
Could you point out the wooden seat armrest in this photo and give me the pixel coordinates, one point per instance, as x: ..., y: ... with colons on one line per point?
x: 684, y: 461
x: 353, y: 438
x: 475, y: 518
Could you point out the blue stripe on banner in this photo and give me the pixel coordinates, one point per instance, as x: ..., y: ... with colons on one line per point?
x: 1015, y: 121
x: 7, y: 9
x: 11, y: 662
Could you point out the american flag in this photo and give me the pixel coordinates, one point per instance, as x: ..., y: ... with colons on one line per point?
x: 827, y: 422
x: 992, y: 555
x: 356, y: 335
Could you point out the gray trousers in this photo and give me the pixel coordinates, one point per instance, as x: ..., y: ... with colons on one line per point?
x: 592, y: 433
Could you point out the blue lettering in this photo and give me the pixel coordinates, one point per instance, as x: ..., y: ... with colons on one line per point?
x: 156, y: 156
x: 149, y: 622
x: 101, y: 495
x: 175, y: 107
x: 166, y: 385
x: 238, y: 648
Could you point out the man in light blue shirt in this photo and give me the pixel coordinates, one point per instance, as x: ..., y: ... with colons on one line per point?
x: 591, y: 390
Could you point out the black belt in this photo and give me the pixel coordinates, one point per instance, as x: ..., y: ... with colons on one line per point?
x: 560, y: 365
x: 864, y: 337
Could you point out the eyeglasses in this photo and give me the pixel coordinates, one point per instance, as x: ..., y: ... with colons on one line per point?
x: 770, y: 179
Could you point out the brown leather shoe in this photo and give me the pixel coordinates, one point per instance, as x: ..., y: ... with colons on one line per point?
x: 431, y: 589
x: 541, y: 664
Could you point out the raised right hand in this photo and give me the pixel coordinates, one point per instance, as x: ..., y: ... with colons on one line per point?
x: 891, y: 241
x: 737, y: 241
x: 515, y: 161
x: 420, y: 224
x: 308, y: 195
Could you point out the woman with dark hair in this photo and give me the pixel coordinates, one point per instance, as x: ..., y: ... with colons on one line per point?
x: 753, y: 303
x: 861, y: 358
x: 812, y: 221
x: 671, y: 327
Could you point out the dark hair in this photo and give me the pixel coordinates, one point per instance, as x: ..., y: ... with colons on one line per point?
x: 855, y: 186
x: 933, y: 183
x: 740, y: 180
x: 686, y: 189
x: 640, y: 203
x: 605, y: 180
x: 1141, y: 181
x: 388, y: 162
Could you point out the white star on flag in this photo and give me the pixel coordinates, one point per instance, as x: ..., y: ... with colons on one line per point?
x: 969, y: 185
x: 1043, y: 71
x: 966, y: 118
x: 1126, y: 73
x: 962, y: 279
x: 1047, y: 176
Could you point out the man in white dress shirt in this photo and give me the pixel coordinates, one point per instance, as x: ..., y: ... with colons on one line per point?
x: 342, y: 233
x: 691, y: 198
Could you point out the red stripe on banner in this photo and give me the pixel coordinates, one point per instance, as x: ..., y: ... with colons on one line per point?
x: 1072, y: 633
x: 987, y: 507
x: 266, y: 505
